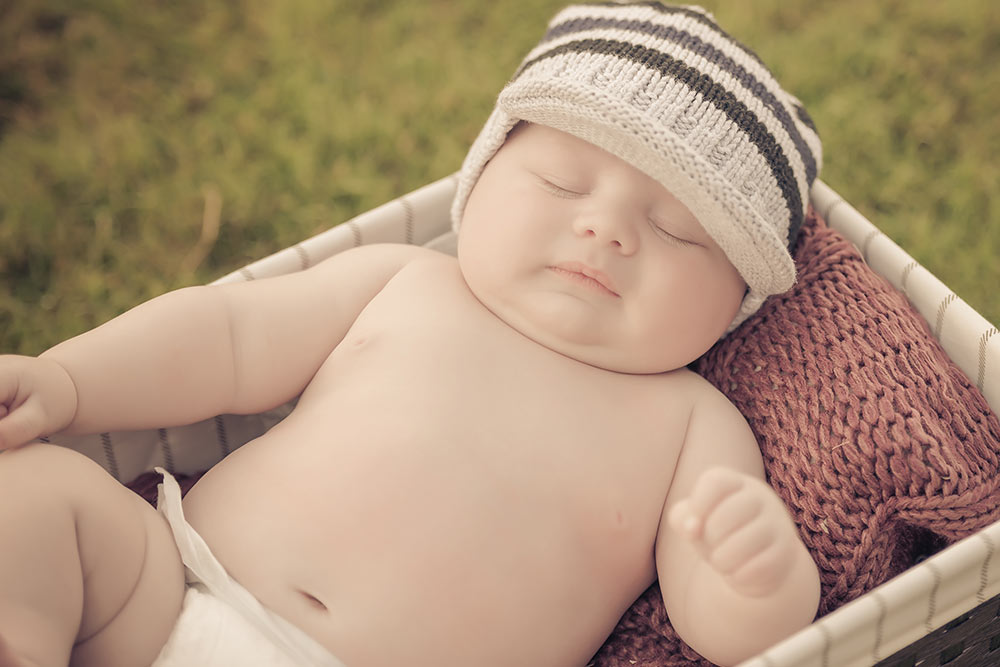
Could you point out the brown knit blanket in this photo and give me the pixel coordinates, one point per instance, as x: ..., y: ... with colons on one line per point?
x: 880, y: 446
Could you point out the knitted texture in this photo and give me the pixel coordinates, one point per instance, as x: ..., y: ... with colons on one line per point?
x: 668, y: 91
x: 880, y: 446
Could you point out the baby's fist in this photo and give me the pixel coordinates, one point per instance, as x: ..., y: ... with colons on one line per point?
x: 37, y: 397
x: 740, y: 527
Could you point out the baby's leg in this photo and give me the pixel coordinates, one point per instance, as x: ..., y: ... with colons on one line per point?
x: 87, y: 568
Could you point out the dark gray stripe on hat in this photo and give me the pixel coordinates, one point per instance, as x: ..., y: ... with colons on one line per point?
x: 700, y: 83
x: 806, y: 119
x: 698, y: 46
x: 686, y: 11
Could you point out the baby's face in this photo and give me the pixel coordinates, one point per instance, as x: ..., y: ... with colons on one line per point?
x: 585, y: 254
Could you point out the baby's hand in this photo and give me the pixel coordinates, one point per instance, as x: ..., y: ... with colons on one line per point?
x: 741, y: 528
x: 37, y: 397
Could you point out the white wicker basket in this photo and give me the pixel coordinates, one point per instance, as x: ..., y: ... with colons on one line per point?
x: 876, y: 626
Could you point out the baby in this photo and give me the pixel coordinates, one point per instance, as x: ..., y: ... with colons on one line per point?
x: 491, y: 456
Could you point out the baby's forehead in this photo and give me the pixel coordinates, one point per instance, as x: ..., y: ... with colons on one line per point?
x: 558, y: 149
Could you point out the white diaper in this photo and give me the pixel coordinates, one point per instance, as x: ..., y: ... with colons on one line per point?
x: 221, y: 623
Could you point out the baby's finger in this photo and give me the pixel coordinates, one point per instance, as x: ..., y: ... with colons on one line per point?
x: 741, y: 547
x: 730, y: 515
x: 683, y: 521
x: 20, y: 426
x: 711, y: 488
x: 763, y: 573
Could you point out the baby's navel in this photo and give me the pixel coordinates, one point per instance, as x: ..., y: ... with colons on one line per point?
x: 313, y: 600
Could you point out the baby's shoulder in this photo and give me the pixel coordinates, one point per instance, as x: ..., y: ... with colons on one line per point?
x: 373, y: 258
x: 403, y: 253
x: 700, y: 398
x: 709, y: 399
x: 689, y: 383
x: 415, y: 256
x: 716, y: 425
x: 381, y: 260
x: 677, y: 396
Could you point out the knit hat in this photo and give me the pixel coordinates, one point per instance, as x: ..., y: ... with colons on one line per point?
x: 669, y: 92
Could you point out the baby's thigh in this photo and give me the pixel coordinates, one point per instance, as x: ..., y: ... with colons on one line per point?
x: 133, y: 581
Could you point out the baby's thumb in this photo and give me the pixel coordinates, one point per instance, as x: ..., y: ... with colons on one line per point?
x: 683, y: 520
x: 20, y: 426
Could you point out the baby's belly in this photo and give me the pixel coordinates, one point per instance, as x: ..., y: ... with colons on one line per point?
x: 391, y: 547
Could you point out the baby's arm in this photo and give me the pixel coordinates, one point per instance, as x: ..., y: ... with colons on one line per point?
x: 734, y: 574
x: 195, y: 352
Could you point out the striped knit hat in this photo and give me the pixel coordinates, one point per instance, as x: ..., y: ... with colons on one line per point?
x: 668, y: 91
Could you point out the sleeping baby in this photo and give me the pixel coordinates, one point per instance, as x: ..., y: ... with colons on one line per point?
x: 491, y: 456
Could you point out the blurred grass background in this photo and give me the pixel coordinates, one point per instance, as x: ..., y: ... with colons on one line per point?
x: 124, y: 125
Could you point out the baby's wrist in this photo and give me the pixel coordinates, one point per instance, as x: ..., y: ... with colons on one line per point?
x: 63, y: 398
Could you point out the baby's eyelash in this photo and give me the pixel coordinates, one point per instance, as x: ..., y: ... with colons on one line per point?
x: 558, y: 190
x: 670, y: 237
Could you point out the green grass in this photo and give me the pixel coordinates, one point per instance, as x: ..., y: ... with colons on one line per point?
x: 120, y: 122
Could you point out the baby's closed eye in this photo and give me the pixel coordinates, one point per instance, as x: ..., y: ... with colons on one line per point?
x: 561, y: 187
x: 662, y: 230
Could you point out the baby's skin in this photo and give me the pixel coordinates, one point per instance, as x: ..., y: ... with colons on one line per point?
x: 490, y: 460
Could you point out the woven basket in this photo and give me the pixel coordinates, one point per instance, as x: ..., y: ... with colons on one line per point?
x: 943, y: 611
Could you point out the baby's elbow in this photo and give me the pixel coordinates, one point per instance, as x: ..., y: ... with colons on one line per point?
x: 782, y: 616
x: 728, y: 630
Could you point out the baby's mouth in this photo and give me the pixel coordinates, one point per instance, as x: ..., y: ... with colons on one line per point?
x: 585, y: 275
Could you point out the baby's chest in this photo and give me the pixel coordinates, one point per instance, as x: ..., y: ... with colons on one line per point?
x: 462, y: 384
x: 433, y: 340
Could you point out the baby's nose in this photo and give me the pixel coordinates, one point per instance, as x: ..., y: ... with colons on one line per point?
x: 610, y: 229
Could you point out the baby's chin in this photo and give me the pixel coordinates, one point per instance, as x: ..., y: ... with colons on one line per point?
x: 616, y: 359
x: 636, y: 359
x: 635, y: 366
x: 656, y: 355
x: 613, y: 356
